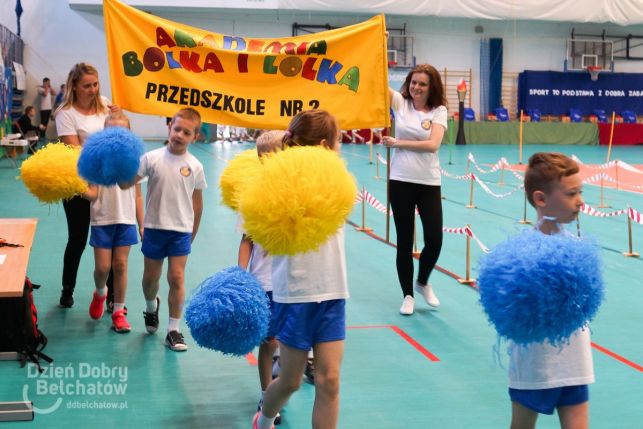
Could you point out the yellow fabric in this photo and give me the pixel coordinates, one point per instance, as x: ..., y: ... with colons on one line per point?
x: 51, y: 175
x: 299, y: 199
x: 158, y: 66
x: 241, y: 170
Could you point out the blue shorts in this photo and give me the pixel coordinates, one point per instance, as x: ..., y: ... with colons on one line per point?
x: 302, y: 325
x: 271, y: 327
x: 110, y: 236
x: 160, y: 243
x: 545, y: 401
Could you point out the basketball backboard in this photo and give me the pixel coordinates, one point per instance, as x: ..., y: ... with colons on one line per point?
x: 583, y: 53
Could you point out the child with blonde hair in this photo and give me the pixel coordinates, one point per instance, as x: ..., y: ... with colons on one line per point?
x: 114, y: 214
x: 258, y: 262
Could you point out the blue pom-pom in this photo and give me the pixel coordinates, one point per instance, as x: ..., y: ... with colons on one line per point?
x: 536, y: 287
x: 110, y: 156
x: 229, y: 312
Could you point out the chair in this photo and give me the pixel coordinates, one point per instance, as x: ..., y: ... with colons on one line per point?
x: 534, y: 115
x: 502, y: 115
x: 469, y: 114
x: 601, y: 116
x: 575, y: 115
x: 629, y: 117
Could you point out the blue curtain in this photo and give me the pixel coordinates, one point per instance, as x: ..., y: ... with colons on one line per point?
x: 495, y: 73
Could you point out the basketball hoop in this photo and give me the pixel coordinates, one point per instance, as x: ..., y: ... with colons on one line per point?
x: 594, y: 72
x: 392, y: 64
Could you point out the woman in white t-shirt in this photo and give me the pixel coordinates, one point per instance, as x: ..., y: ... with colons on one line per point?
x: 420, y: 123
x: 82, y: 112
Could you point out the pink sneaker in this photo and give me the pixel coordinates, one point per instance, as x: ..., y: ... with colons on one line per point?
x: 97, y: 306
x: 120, y: 323
x: 256, y: 419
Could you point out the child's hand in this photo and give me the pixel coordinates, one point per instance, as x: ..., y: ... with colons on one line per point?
x: 113, y: 108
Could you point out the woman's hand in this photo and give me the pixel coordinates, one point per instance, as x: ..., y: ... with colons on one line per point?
x: 389, y: 141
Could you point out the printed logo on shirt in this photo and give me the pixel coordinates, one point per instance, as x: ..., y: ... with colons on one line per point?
x: 185, y: 171
x: 426, y: 124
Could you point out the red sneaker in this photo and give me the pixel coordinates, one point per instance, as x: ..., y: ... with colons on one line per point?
x: 120, y: 323
x: 97, y: 306
x: 256, y: 419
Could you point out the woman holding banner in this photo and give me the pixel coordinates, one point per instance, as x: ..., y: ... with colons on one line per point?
x: 82, y: 112
x: 420, y: 123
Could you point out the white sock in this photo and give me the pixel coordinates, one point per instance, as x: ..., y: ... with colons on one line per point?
x: 173, y: 324
x: 264, y: 422
x: 118, y: 306
x: 102, y: 291
x: 151, y: 305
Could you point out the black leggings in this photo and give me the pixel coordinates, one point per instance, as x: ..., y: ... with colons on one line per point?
x: 77, y: 214
x: 404, y: 198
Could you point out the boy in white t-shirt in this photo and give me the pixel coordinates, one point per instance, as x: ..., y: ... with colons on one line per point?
x: 543, y: 377
x: 173, y: 208
x: 258, y: 262
x: 114, y: 214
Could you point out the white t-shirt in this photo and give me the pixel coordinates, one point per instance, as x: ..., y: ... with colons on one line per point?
x: 312, y: 276
x: 543, y: 366
x: 114, y: 205
x: 45, y: 100
x: 260, y: 264
x: 172, y: 181
x: 410, y: 124
x: 70, y: 122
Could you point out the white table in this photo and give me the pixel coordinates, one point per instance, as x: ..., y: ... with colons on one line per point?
x: 12, y: 148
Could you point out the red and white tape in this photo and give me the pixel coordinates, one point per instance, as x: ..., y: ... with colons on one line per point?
x: 634, y: 215
x: 453, y: 176
x: 374, y: 202
x: 497, y: 166
x: 589, y: 210
x: 493, y: 194
x: 624, y: 165
x: 598, y: 176
x: 381, y: 159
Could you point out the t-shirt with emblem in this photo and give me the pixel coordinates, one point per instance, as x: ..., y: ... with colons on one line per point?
x: 410, y: 124
x: 172, y: 180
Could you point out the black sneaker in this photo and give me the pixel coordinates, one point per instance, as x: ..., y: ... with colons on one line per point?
x: 67, y: 297
x: 309, y: 372
x: 109, y: 303
x: 175, y: 342
x: 152, y: 319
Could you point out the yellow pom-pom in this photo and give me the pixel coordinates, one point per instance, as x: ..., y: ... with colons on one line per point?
x: 50, y: 174
x: 239, y: 171
x: 299, y: 199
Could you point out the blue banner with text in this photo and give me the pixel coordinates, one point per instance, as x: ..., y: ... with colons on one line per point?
x: 555, y: 93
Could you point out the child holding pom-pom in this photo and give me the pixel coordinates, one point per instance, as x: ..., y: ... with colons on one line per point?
x: 309, y: 292
x: 114, y: 214
x: 173, y: 208
x: 259, y: 263
x: 542, y: 376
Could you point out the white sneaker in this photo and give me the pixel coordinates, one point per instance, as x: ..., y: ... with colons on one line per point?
x: 427, y: 293
x: 407, y: 305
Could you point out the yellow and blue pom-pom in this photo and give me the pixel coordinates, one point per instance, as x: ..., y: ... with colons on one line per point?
x: 229, y: 312
x: 50, y: 174
x: 536, y: 287
x: 240, y: 171
x: 110, y: 156
x: 299, y: 199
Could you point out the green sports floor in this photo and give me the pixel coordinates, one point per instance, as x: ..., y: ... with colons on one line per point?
x: 435, y: 369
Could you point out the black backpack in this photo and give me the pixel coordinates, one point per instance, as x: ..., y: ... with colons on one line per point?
x: 19, y: 328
